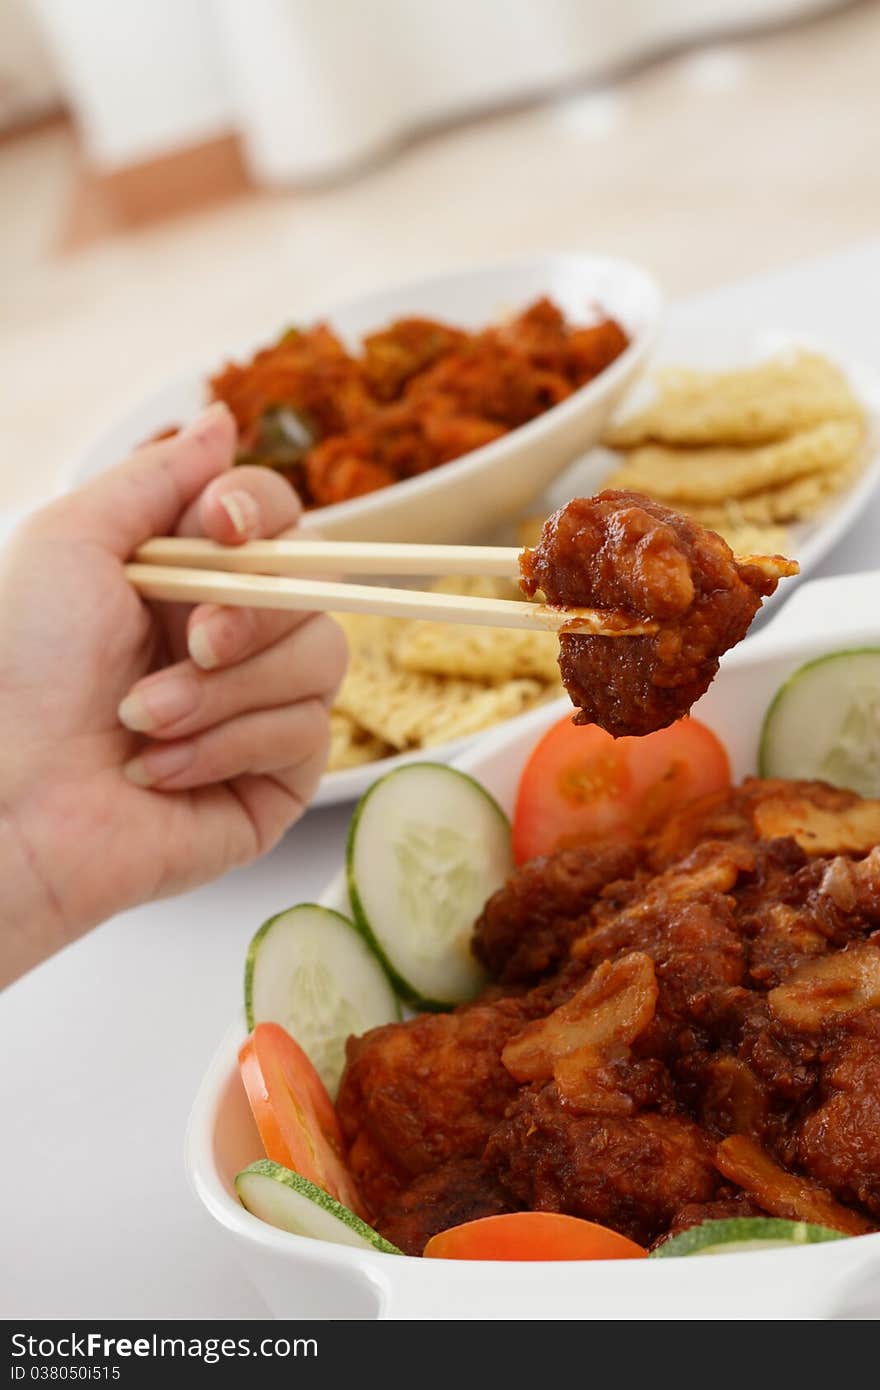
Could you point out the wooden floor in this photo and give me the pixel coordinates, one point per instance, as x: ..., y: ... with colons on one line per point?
x: 705, y: 168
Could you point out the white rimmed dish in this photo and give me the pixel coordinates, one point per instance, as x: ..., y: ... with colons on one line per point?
x: 299, y: 1277
x: 489, y: 486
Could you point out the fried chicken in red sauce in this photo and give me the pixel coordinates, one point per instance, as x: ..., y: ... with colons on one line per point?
x: 425, y: 1091
x: 527, y: 927
x: 339, y: 425
x: 680, y: 1030
x: 626, y: 553
x: 461, y: 1190
x: 633, y: 1174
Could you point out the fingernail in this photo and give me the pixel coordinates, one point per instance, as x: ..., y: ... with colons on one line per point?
x: 201, y: 649
x: 159, y: 702
x: 207, y: 420
x: 243, y: 512
x: 159, y: 764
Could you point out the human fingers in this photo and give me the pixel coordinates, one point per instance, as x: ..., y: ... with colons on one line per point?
x: 243, y: 504
x: 264, y: 742
x: 274, y: 803
x: 182, y: 700
x: 145, y: 495
x: 247, y: 503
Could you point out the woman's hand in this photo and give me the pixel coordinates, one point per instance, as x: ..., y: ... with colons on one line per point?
x: 147, y: 749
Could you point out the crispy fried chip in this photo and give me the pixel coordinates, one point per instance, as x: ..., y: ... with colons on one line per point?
x: 747, y: 539
x: 369, y: 632
x: 795, y: 501
x: 417, y: 684
x: 791, y: 502
x: 751, y: 405
x: 713, y: 475
x: 489, y: 654
x: 407, y: 709
x: 351, y: 745
x: 484, y: 708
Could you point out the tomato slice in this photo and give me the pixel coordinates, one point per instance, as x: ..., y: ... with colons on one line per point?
x: 532, y: 1235
x: 294, y: 1113
x: 582, y: 785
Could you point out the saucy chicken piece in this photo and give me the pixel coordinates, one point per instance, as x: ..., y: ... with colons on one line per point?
x: 622, y: 552
x: 461, y: 1190
x: 632, y: 1174
x: 684, y: 920
x: 401, y: 441
x: 395, y: 354
x: 485, y: 378
x: 542, y: 335
x: 309, y: 370
x: 838, y: 1143
x: 723, y: 1209
x: 426, y: 1091
x: 732, y: 1099
x: 527, y: 927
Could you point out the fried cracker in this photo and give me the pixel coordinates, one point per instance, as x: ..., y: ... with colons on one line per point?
x: 351, y: 745
x: 485, y: 707
x: 751, y: 405
x: 715, y: 474
x: 369, y: 631
x: 489, y: 654
x: 407, y: 709
x: 795, y: 501
x: 746, y: 539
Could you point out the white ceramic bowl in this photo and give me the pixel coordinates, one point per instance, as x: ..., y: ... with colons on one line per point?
x: 298, y: 1277
x: 489, y: 486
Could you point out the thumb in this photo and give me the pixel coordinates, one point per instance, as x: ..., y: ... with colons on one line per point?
x: 144, y: 496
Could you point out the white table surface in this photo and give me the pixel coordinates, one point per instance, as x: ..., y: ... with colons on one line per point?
x: 104, y: 1045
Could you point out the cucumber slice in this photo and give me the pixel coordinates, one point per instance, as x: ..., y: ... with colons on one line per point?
x: 824, y: 723
x: 310, y: 970
x: 284, y: 1199
x: 741, y: 1233
x: 426, y: 848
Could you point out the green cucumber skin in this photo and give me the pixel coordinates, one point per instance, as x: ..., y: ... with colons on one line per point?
x: 402, y: 986
x: 253, y: 951
x: 697, y: 1239
x: 265, y: 1168
x: 764, y: 754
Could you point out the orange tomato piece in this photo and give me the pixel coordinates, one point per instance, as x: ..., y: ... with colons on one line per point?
x: 294, y: 1113
x: 581, y: 785
x: 532, y: 1235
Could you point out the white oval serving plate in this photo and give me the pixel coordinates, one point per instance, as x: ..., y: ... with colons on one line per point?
x: 299, y: 1277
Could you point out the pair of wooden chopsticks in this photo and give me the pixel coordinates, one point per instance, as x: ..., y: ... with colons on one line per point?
x: 257, y: 575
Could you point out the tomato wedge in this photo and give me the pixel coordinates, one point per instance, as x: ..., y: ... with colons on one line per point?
x: 582, y: 785
x: 294, y: 1113
x: 532, y: 1235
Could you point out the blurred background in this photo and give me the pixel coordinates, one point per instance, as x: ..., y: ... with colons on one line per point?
x: 178, y: 177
